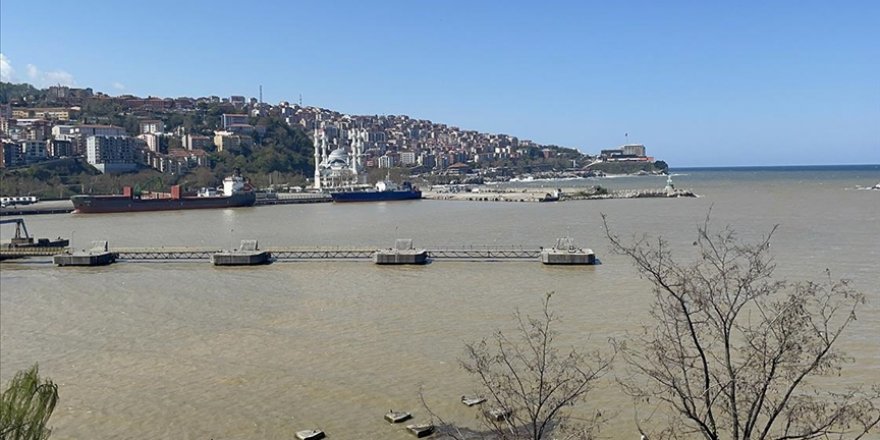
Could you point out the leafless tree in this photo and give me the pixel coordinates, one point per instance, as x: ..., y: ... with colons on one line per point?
x: 734, y: 353
x: 530, y: 384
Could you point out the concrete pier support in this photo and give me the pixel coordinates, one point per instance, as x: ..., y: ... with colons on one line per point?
x: 566, y: 253
x: 98, y: 255
x: 402, y: 253
x: 248, y: 254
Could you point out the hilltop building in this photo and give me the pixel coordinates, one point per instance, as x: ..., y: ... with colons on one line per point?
x: 151, y: 126
x: 227, y: 120
x: 628, y: 152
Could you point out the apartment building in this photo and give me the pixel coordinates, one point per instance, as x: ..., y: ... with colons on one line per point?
x: 111, y: 154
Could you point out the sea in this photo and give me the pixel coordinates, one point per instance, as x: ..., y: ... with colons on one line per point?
x: 184, y: 350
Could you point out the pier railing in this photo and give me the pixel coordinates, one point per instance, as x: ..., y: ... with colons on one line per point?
x: 180, y: 253
x: 331, y: 253
x: 295, y: 253
x: 484, y: 253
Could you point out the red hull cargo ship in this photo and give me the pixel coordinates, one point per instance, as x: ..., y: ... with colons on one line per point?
x: 236, y: 192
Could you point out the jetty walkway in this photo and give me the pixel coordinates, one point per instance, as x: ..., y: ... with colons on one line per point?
x: 329, y: 253
x: 249, y: 253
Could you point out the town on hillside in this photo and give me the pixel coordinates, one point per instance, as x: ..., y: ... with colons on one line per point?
x: 123, y: 135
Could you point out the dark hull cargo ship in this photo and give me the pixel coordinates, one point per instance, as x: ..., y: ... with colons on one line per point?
x: 384, y: 192
x: 236, y: 193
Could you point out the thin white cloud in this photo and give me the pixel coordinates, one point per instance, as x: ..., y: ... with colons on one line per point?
x: 7, y: 73
x: 59, y: 77
x: 32, y: 72
x: 119, y: 86
x: 40, y: 78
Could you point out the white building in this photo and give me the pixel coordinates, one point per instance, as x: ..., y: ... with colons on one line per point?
x: 111, y: 154
x: 407, y: 158
x: 386, y: 161
x: 152, y: 140
x: 87, y: 130
x: 152, y: 126
x: 63, y: 131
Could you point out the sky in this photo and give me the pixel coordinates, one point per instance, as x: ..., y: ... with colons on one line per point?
x: 699, y: 83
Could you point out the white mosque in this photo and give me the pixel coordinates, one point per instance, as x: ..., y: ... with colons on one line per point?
x: 339, y: 168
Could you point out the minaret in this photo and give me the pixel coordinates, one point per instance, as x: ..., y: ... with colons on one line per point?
x: 324, y: 153
x: 317, y: 162
x: 355, y: 151
x: 360, y: 157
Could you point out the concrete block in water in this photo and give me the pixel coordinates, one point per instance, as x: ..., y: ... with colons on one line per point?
x: 566, y: 253
x: 420, y: 430
x: 98, y: 255
x: 578, y: 257
x: 402, y: 253
x: 248, y: 254
x: 240, y: 258
x: 392, y: 256
x: 84, y: 259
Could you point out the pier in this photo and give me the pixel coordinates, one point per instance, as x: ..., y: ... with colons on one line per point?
x: 402, y: 253
x: 486, y: 253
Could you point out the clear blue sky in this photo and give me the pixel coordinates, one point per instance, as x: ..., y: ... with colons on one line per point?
x: 700, y: 83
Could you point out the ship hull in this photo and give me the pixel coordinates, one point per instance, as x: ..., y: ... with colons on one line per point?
x: 107, y: 204
x: 375, y: 196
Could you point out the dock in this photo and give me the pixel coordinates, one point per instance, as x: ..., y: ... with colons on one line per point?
x: 282, y: 254
x: 249, y: 254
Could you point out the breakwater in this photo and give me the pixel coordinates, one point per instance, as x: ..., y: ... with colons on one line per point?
x: 486, y: 194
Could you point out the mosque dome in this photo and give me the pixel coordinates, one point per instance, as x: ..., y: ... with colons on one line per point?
x: 338, y: 155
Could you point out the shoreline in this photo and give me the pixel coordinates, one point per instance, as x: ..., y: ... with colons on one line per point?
x: 525, y: 195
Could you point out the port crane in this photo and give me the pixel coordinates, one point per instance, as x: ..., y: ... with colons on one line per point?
x: 19, y: 227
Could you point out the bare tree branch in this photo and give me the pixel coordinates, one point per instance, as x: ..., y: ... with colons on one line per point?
x: 733, y: 349
x: 531, y: 382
